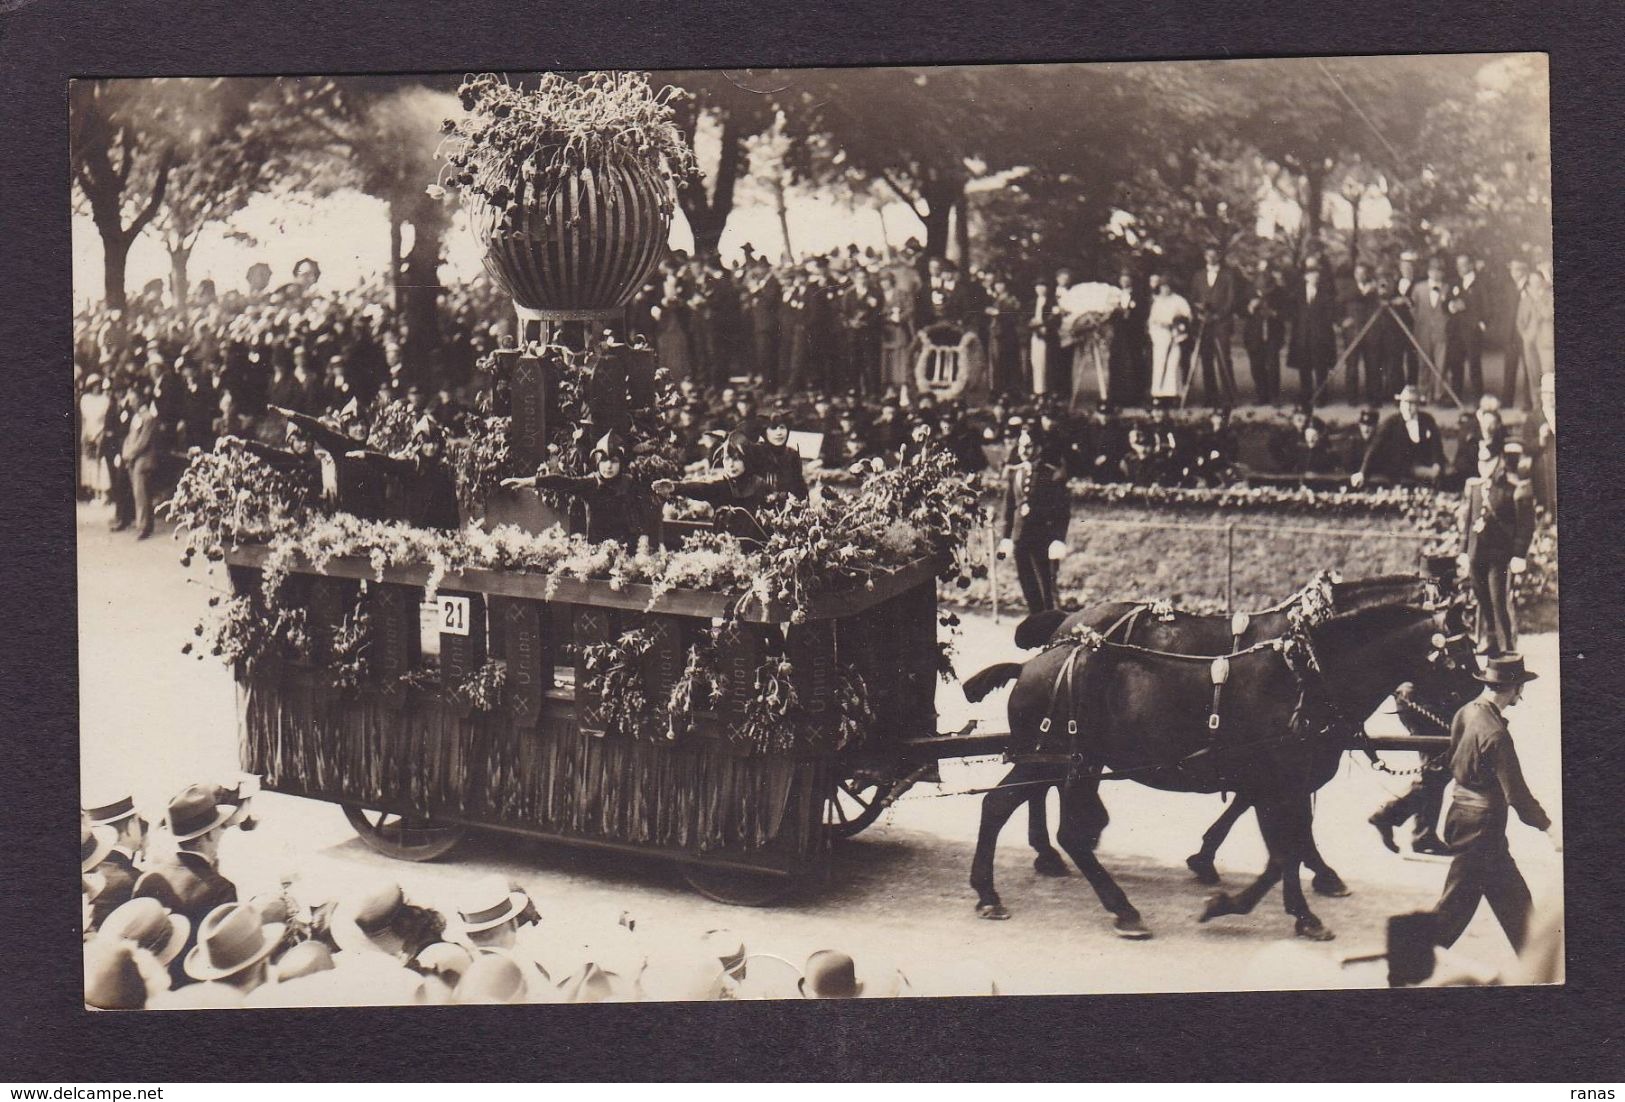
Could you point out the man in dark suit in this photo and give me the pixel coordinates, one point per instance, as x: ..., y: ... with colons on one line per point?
x: 1035, y: 509
x: 1407, y: 446
x: 1263, y: 333
x: 1511, y: 341
x: 1489, y: 781
x: 1215, y: 298
x: 1469, y: 309
x: 1497, y: 524
x: 118, y: 868
x: 1360, y: 308
x: 189, y: 882
x: 1402, y: 306
x: 1430, y: 306
x: 763, y: 297
x: 1313, y: 347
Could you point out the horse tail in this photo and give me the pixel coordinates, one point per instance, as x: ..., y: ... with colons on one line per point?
x: 978, y: 685
x: 1039, y: 628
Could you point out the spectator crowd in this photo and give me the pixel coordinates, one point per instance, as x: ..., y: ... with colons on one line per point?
x: 165, y: 928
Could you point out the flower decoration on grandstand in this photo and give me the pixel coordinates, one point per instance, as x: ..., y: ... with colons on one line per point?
x: 519, y: 144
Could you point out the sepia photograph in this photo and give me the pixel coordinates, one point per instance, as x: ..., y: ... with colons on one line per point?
x: 816, y: 533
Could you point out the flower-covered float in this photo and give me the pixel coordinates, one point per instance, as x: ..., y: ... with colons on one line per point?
x: 708, y: 692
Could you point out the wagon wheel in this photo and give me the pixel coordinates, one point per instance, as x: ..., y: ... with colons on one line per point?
x: 856, y: 803
x: 405, y: 838
x: 738, y: 888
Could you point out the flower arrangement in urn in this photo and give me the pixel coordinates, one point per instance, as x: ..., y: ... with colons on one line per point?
x: 587, y: 167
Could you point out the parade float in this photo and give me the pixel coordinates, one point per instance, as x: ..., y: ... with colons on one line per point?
x: 734, y: 701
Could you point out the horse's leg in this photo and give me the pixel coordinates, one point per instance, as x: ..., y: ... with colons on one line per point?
x: 997, y: 807
x: 1223, y: 903
x: 1326, y: 881
x: 1295, y: 837
x: 1201, y: 862
x: 1083, y: 818
x: 1048, y: 862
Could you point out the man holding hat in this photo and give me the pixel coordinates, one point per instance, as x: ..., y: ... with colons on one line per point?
x: 189, y: 882
x: 1489, y: 780
x: 1497, y: 525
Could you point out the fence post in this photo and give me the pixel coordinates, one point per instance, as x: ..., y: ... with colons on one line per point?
x: 993, y: 570
x: 1230, y: 567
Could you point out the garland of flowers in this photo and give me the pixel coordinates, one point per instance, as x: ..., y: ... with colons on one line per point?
x: 1412, y: 502
x: 615, y: 669
x: 519, y: 146
x: 347, y: 667
x: 482, y: 687
x: 228, y: 496
x: 697, y: 689
x: 237, y: 631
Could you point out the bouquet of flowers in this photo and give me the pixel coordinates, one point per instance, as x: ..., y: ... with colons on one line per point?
x: 1087, y: 307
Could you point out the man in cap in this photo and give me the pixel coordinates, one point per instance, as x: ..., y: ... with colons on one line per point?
x: 617, y: 508
x: 1497, y: 524
x: 1358, y: 442
x: 1489, y: 780
x: 189, y: 882
x: 1407, y: 446
x: 1035, y: 510
x: 830, y: 974
x: 118, y: 868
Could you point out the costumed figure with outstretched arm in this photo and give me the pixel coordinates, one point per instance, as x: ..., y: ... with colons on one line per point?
x: 617, y: 509
x: 358, y: 486
x: 736, y: 494
x: 427, y: 484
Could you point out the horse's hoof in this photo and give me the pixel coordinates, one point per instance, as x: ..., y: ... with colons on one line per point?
x: 1050, y: 864
x: 1130, y: 927
x: 1311, y: 929
x: 1219, y: 903
x: 993, y: 911
x: 1331, y: 886
x: 1203, y: 868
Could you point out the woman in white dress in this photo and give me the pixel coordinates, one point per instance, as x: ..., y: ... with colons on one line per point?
x: 1038, y: 346
x: 1169, y: 323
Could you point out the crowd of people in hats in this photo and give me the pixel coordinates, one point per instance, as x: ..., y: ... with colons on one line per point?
x: 822, y: 346
x: 164, y: 928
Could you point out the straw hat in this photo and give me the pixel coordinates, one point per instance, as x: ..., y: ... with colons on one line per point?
x: 489, y: 904
x: 95, y: 843
x: 492, y: 978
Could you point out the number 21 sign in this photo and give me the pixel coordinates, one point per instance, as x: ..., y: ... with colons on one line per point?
x: 454, y: 615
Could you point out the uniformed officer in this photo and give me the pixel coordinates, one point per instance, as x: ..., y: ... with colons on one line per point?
x: 1489, y: 780
x: 1497, y: 524
x: 617, y: 509
x: 1035, y: 510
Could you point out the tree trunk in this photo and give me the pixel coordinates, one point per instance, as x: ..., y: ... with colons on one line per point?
x: 417, y: 283
x: 962, y: 230
x: 783, y: 211
x: 940, y: 195
x: 115, y: 256
x: 708, y: 215
x: 1354, y: 233
x: 395, y: 254
x: 180, y: 283
x: 1315, y: 186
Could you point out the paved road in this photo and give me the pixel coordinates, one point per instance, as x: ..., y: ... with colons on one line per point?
x: 898, y: 897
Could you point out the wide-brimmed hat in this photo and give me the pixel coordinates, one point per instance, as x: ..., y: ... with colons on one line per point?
x: 106, y: 812
x: 362, y: 916
x: 195, y: 812
x: 830, y: 975
x: 492, y: 978
x: 489, y: 904
x: 229, y: 939
x: 1408, y: 394
x: 146, y: 922
x: 95, y: 843
x: 113, y: 976
x: 1503, y: 671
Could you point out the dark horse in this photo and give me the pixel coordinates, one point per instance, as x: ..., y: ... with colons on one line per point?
x: 1176, y: 630
x: 1288, y: 710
